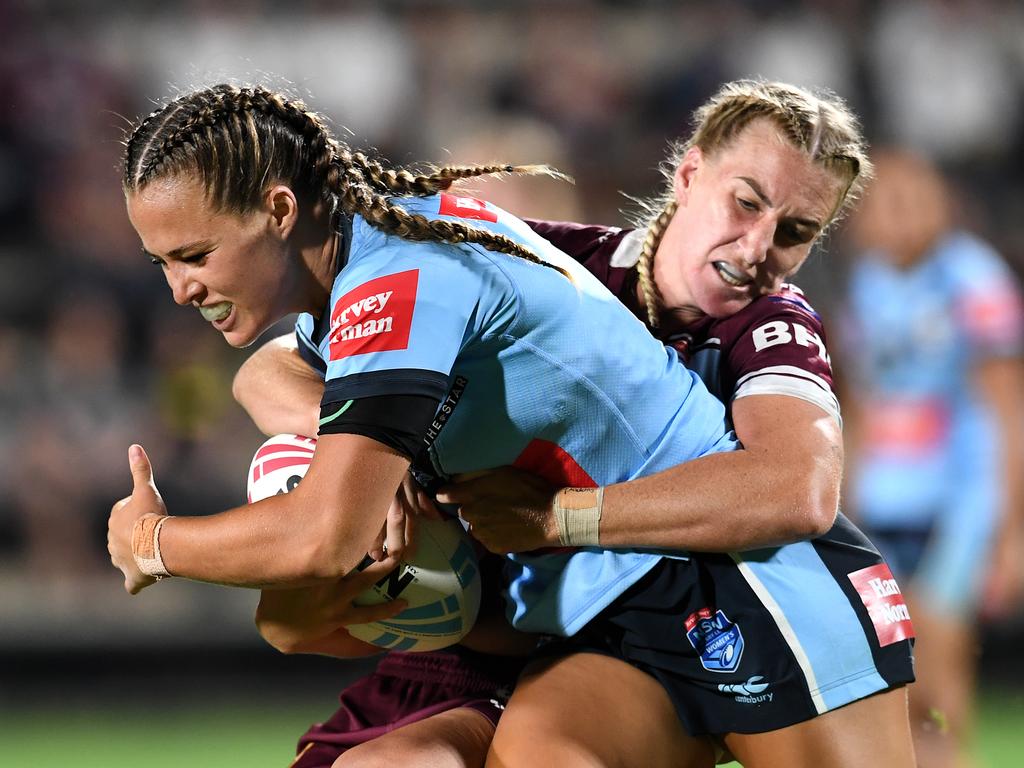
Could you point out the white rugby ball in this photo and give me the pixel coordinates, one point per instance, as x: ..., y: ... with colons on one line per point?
x: 278, y: 466
x: 440, y: 581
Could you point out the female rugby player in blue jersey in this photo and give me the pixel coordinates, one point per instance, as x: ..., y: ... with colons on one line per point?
x: 252, y: 211
x: 751, y: 183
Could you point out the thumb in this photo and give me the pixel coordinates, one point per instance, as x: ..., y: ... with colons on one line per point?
x: 142, y: 470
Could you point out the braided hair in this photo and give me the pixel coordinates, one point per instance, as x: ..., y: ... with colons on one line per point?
x: 819, y: 124
x: 240, y: 139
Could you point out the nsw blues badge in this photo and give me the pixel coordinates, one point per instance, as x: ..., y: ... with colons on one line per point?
x: 718, y: 641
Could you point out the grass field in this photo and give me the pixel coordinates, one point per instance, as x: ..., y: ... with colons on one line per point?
x: 230, y: 735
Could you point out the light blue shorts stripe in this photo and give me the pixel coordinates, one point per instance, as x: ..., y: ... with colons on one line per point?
x: 816, y: 618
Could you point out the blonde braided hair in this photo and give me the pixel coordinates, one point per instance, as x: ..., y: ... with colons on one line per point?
x: 240, y: 139
x: 645, y: 266
x: 818, y: 123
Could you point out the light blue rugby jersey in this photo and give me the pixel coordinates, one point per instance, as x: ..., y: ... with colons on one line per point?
x: 533, y: 369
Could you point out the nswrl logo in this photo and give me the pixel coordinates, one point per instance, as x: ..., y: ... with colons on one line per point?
x: 718, y: 641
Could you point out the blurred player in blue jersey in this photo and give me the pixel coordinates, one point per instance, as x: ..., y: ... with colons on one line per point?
x: 932, y: 356
x: 720, y: 300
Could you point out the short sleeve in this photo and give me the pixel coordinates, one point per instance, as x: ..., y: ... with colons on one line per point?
x: 782, y: 351
x: 401, y: 313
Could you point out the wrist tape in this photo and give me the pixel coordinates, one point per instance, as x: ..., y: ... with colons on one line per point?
x: 577, y: 515
x: 146, y: 545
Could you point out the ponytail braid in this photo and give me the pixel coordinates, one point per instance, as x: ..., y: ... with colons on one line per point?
x: 645, y: 266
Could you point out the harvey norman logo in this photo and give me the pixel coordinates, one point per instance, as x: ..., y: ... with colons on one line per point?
x: 882, y: 597
x: 375, y: 317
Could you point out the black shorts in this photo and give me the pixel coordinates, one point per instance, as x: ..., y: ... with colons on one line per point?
x: 759, y: 641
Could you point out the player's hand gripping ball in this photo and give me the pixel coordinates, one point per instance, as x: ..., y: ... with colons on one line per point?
x: 440, y: 582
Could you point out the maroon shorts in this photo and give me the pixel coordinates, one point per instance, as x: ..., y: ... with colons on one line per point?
x: 406, y: 688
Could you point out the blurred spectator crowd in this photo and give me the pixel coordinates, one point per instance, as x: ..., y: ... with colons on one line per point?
x: 93, y: 353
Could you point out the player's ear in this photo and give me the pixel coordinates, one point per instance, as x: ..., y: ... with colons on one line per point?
x: 685, y: 173
x: 283, y: 207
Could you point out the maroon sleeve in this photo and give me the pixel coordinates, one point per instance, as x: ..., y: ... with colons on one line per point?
x: 593, y: 246
x: 581, y: 241
x: 776, y: 345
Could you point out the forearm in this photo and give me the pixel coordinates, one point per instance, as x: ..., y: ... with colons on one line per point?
x: 721, y: 503
x: 309, y: 620
x: 1013, y: 480
x: 783, y: 486
x: 339, y: 644
x: 320, y: 530
x: 999, y: 382
x: 275, y: 542
x: 278, y: 390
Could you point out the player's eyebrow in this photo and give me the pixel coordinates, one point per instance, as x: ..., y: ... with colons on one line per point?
x: 181, y: 250
x: 756, y: 188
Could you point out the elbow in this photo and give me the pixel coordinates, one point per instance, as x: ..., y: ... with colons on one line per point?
x: 813, y: 519
x: 240, y: 384
x: 815, y: 503
x: 319, y: 561
x: 283, y: 642
x: 277, y: 635
x: 814, y: 513
x: 327, y: 552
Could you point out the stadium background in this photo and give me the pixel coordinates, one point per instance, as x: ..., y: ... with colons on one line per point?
x: 94, y: 355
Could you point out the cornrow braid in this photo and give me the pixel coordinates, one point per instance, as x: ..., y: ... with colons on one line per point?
x: 240, y: 139
x: 820, y: 126
x: 799, y: 124
x: 645, y: 266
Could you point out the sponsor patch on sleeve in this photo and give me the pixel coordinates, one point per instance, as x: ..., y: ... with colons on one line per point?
x: 465, y: 208
x: 375, y: 317
x: 884, y: 601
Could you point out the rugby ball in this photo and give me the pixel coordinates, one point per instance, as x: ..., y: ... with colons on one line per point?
x: 440, y: 581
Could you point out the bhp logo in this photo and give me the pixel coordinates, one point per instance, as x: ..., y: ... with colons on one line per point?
x: 375, y: 317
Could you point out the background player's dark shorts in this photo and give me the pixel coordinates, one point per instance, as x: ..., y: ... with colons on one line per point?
x: 903, y: 548
x: 701, y: 629
x: 406, y: 688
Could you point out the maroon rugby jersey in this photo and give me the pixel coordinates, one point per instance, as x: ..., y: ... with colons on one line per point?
x: 773, y: 346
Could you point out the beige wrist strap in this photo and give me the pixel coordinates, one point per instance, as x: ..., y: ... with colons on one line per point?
x: 146, y: 545
x: 577, y: 515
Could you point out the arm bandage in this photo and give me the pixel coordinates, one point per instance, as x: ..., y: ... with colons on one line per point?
x: 577, y: 514
x: 146, y: 545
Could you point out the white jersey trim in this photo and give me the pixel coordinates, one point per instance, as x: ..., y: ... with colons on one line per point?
x: 627, y: 254
x: 793, y: 382
x: 785, y: 628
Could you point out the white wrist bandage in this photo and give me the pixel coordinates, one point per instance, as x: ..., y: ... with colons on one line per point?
x: 577, y: 514
x: 146, y: 545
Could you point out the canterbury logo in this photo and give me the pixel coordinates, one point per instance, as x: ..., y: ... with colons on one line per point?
x: 752, y: 687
